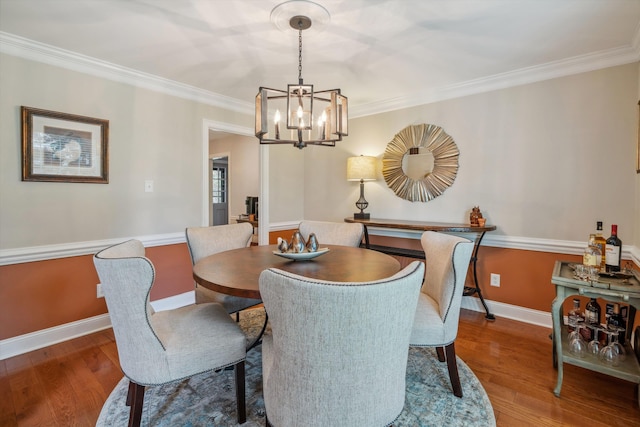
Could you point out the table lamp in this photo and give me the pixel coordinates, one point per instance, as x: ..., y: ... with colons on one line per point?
x: 361, y: 168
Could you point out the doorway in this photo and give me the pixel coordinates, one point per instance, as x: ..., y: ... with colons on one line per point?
x: 220, y: 190
x: 246, y: 174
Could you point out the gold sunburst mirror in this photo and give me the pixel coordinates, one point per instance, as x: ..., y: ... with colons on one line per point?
x: 420, y: 163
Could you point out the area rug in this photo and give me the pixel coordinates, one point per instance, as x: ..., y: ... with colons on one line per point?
x: 209, y: 399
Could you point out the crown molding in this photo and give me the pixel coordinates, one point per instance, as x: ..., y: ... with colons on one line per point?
x: 552, y: 70
x: 40, y: 52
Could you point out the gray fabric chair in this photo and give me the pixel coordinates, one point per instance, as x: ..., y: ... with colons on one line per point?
x: 438, y: 312
x: 337, y: 353
x: 167, y: 346
x: 205, y: 241
x: 333, y: 233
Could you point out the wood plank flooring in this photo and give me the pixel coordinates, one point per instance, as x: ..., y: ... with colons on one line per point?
x: 66, y: 384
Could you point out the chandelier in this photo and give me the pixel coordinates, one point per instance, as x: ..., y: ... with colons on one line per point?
x: 299, y: 115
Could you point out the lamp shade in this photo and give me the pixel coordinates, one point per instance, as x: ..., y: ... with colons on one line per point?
x: 361, y: 168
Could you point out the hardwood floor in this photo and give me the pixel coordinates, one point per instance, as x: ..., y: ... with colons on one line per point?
x: 66, y: 384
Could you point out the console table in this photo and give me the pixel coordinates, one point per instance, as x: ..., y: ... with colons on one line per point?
x: 429, y: 226
x: 610, y: 289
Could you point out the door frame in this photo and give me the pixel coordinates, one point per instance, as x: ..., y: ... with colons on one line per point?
x: 263, y: 229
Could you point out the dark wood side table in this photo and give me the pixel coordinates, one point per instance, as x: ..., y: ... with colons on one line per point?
x: 429, y: 226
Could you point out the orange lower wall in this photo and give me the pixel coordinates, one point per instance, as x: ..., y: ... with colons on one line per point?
x: 525, y: 276
x: 43, y: 294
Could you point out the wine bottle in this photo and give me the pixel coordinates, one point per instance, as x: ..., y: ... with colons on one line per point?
x: 615, y: 320
x: 592, y: 318
x: 602, y: 244
x: 575, y: 316
x: 613, y: 250
x: 592, y: 312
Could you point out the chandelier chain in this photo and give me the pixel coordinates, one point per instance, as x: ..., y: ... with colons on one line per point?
x: 300, y: 54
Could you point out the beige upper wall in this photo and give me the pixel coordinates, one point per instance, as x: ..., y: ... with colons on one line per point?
x: 151, y: 136
x: 544, y: 160
x: 539, y: 159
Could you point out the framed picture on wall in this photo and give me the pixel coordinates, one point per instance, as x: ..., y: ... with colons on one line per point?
x: 60, y: 147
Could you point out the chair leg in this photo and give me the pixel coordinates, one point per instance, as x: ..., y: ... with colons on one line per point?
x: 135, y: 398
x: 131, y: 392
x: 440, y: 353
x: 237, y: 316
x: 240, y: 393
x: 452, y: 364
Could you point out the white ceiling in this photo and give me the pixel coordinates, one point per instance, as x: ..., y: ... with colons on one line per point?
x: 382, y: 54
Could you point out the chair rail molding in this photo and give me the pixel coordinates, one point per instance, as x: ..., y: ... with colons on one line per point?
x: 65, y: 250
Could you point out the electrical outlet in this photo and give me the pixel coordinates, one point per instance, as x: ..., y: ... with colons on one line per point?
x: 99, y: 292
x: 495, y: 280
x: 148, y: 186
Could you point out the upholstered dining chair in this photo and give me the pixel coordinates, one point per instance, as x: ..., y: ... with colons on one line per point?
x: 337, y: 352
x: 205, y: 241
x: 333, y: 233
x: 156, y: 348
x: 438, y: 312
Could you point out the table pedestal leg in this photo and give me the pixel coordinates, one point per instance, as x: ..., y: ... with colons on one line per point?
x: 468, y: 290
x: 258, y: 339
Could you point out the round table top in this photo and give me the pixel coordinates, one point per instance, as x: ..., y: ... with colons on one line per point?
x: 237, y: 272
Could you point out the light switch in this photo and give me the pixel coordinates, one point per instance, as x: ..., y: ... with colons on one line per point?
x: 148, y: 186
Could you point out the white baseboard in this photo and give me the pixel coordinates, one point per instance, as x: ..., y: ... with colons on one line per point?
x: 50, y: 336
x: 508, y: 311
x: 46, y: 337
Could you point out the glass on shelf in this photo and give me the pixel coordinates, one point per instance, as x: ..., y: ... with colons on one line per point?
x: 594, y: 346
x: 577, y: 345
x: 613, y: 353
x: 619, y: 348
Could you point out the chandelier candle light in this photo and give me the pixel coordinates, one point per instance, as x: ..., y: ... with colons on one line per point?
x: 312, y: 117
x: 361, y: 168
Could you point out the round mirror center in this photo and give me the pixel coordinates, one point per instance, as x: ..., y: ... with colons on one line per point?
x: 417, y: 163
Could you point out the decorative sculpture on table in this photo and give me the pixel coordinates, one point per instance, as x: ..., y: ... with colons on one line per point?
x: 312, y: 243
x: 283, y: 245
x: 298, y: 244
x: 475, y: 216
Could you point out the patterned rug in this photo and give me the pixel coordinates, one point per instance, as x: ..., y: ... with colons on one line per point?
x: 209, y: 399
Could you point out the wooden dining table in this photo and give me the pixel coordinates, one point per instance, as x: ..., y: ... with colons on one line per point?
x: 237, y: 272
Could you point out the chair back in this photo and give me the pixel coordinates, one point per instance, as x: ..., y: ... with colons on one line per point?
x: 205, y: 241
x: 447, y: 258
x: 338, y: 351
x: 126, y: 277
x: 333, y: 233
